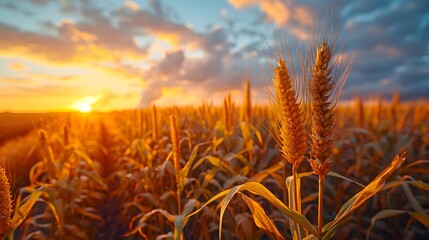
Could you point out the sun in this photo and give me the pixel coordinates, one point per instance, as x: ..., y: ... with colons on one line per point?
x: 84, y: 105
x: 84, y: 108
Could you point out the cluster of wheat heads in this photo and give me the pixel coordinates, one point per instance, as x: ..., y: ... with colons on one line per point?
x: 323, y: 89
x: 12, y: 211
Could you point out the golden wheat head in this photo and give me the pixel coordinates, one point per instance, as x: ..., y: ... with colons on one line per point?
x: 175, y: 141
x: 5, y: 203
x: 292, y: 133
x: 322, y: 112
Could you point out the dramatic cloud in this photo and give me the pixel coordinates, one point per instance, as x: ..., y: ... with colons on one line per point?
x: 278, y: 11
x: 137, y: 53
x: 391, y: 47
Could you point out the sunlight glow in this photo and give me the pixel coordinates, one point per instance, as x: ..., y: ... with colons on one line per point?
x: 85, y: 104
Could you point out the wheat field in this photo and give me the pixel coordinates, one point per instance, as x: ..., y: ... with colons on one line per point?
x: 306, y: 166
x: 237, y: 171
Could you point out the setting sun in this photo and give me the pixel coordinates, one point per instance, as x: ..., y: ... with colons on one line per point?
x: 85, y: 104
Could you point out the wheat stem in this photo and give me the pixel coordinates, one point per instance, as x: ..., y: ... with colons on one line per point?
x: 154, y: 123
x: 295, y: 186
x: 247, y: 102
x: 175, y: 140
x: 320, y: 206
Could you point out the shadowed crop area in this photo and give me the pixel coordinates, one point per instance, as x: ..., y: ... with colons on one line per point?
x: 231, y: 119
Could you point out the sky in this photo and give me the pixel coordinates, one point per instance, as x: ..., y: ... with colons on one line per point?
x: 62, y: 55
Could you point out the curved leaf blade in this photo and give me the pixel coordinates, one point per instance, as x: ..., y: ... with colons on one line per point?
x: 361, y: 197
x: 260, y: 217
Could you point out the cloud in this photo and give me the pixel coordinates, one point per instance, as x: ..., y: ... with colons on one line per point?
x: 109, y: 44
x: 172, y: 63
x: 275, y: 10
x: 133, y: 6
x: 17, y: 67
x: 51, y: 48
x: 26, y: 90
x: 392, y: 42
x: 150, y: 93
x: 12, y: 81
x: 390, y: 39
x: 148, y: 49
x: 278, y: 11
x: 74, y: 43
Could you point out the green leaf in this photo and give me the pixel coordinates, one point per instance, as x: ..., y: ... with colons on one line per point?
x: 180, y: 221
x: 178, y: 227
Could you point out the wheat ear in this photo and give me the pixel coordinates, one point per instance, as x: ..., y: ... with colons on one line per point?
x: 5, y: 203
x: 175, y: 141
x: 292, y: 133
x: 322, y: 113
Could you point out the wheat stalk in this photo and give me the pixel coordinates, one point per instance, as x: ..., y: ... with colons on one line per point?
x: 394, y: 110
x: 154, y: 123
x: 175, y: 141
x: 5, y: 203
x: 66, y: 132
x: 48, y: 155
x: 228, y: 109
x: 377, y: 111
x: 247, y: 102
x: 293, y: 135
x: 322, y: 121
x: 360, y: 112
